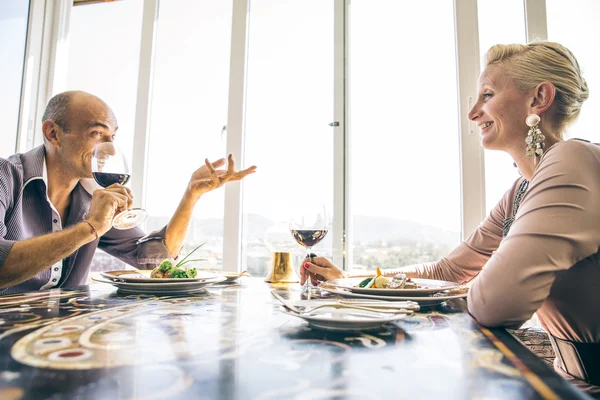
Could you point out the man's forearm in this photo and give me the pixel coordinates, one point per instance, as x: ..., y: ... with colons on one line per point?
x: 179, y: 223
x: 27, y: 258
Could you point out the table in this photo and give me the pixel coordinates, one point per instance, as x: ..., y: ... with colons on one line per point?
x: 232, y: 342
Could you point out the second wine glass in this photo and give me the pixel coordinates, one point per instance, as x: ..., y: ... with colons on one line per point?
x: 109, y: 166
x: 309, y: 225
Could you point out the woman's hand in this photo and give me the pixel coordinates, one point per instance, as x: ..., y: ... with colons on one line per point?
x: 320, y: 269
x: 207, y: 178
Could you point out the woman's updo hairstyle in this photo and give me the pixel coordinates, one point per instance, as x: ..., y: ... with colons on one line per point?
x: 529, y: 65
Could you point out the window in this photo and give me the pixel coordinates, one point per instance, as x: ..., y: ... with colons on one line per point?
x: 289, y: 105
x: 499, y: 23
x: 189, y: 113
x: 405, y: 182
x: 104, y: 50
x: 575, y: 25
x: 13, y: 31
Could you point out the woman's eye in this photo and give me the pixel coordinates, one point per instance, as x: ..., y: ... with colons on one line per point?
x: 486, y: 96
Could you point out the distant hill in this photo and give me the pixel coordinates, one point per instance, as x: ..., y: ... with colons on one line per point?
x: 366, y: 229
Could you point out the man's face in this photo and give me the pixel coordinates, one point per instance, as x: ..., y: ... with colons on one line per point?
x: 90, y: 122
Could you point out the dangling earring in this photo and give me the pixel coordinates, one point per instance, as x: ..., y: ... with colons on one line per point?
x: 534, y: 139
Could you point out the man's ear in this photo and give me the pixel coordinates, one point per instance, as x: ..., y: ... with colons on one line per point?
x: 543, y: 97
x: 50, y: 132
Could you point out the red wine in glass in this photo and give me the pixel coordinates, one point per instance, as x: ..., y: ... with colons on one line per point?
x: 105, y: 179
x: 308, y: 227
x: 109, y: 166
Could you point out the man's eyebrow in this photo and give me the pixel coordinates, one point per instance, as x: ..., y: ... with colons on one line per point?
x: 95, y: 124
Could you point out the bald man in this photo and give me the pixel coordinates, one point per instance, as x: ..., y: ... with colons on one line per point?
x: 50, y: 226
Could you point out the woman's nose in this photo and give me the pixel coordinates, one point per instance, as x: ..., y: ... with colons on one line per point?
x: 474, y: 113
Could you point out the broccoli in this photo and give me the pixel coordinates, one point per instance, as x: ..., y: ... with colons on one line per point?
x: 166, y: 265
x: 178, y: 273
x: 191, y: 272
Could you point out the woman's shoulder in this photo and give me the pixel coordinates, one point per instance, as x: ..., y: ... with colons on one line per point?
x: 573, y: 148
x: 571, y: 162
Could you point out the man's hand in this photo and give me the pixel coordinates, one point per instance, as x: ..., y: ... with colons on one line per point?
x: 106, y: 203
x: 207, y: 177
x: 320, y: 269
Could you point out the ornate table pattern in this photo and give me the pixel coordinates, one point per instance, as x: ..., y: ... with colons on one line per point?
x: 232, y: 342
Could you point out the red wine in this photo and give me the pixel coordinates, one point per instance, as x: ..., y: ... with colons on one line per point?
x: 106, y: 179
x: 308, y: 238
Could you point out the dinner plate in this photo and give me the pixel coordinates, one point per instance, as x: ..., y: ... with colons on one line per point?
x: 426, y: 301
x: 139, y: 276
x: 428, y: 287
x: 159, y: 288
x: 344, y: 319
x: 230, y: 276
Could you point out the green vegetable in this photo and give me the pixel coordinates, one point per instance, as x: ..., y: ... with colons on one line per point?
x: 166, y: 265
x: 364, y: 282
x: 191, y: 272
x: 180, y: 263
x: 178, y: 273
x: 175, y: 270
x: 371, y: 282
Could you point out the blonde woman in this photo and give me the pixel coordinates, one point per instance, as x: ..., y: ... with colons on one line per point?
x: 538, y: 250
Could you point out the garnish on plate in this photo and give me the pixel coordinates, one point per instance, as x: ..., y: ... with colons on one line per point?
x: 168, y: 269
x: 379, y: 281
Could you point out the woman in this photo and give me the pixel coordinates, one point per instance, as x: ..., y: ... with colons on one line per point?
x: 538, y: 250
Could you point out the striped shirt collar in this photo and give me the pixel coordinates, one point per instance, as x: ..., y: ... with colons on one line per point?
x: 34, y: 165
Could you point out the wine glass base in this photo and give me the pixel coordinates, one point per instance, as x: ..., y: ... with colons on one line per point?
x: 129, y: 218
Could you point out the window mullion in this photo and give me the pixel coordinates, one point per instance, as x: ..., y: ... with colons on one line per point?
x: 141, y: 136
x: 232, y: 220
x: 536, y: 25
x: 471, y: 154
x: 341, y: 228
x: 45, y: 70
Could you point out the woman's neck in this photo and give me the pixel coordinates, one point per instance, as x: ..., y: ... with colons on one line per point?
x: 526, y: 165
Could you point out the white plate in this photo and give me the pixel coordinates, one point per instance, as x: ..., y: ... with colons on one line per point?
x: 139, y: 276
x: 158, y: 288
x: 422, y: 300
x: 428, y: 287
x: 231, y: 276
x: 345, y: 319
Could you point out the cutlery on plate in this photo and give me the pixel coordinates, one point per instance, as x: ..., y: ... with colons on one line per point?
x: 380, y: 310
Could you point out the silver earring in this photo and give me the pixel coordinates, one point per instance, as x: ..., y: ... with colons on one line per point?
x: 534, y: 139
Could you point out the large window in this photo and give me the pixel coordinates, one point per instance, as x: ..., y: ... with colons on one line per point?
x: 104, y: 50
x: 405, y: 181
x: 289, y: 105
x: 384, y: 70
x: 499, y: 23
x: 575, y: 25
x: 13, y: 31
x: 189, y: 113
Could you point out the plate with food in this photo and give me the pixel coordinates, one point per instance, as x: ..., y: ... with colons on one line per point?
x: 423, y: 301
x: 231, y: 277
x: 345, y: 319
x: 398, y: 285
x: 168, y: 271
x: 159, y: 288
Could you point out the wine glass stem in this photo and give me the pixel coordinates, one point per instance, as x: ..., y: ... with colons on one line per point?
x: 308, y: 284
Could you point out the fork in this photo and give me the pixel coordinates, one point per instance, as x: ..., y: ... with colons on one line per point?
x: 295, y: 309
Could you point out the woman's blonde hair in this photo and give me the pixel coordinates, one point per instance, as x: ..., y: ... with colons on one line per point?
x: 529, y: 65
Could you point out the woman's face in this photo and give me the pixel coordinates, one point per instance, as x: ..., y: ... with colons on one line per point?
x: 500, y: 111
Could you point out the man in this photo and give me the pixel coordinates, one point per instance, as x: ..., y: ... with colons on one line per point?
x: 50, y: 226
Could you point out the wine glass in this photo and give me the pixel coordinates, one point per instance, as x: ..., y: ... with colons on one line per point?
x: 309, y: 225
x: 109, y: 166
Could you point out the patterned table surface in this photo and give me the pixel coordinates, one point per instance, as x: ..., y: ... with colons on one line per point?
x: 234, y: 342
